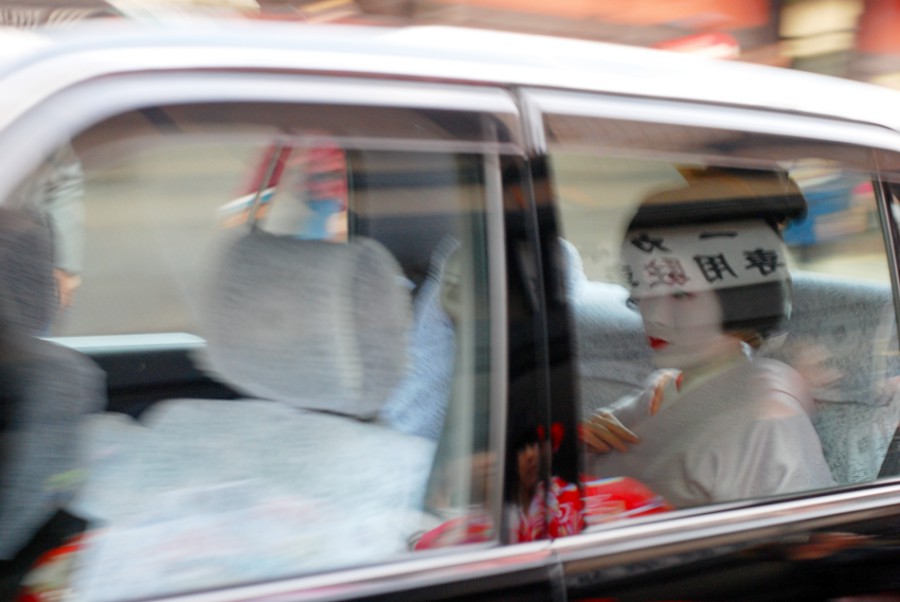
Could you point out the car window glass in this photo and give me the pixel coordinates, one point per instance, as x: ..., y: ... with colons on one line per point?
x: 286, y: 317
x: 732, y: 311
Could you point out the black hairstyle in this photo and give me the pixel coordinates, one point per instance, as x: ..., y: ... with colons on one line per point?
x: 734, y: 195
x: 724, y: 194
x: 756, y: 308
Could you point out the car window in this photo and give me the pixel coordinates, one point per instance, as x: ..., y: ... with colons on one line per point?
x: 329, y: 271
x: 735, y: 336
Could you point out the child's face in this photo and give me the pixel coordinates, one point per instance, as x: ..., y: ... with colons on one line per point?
x: 682, y: 328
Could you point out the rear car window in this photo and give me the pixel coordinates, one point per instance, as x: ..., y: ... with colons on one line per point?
x: 732, y: 308
x: 255, y: 331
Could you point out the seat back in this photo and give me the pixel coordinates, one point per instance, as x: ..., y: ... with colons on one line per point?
x: 842, y: 337
x: 45, y: 389
x: 314, y: 334
x: 314, y: 324
x: 611, y: 350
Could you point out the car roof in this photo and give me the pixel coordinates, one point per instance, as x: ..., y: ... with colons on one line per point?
x: 438, y: 53
x: 18, y: 43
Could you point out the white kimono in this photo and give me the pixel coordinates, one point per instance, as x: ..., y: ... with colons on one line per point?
x: 744, y: 432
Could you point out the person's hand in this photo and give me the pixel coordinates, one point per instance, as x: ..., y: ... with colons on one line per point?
x: 665, y: 379
x: 603, y: 432
x: 66, y: 284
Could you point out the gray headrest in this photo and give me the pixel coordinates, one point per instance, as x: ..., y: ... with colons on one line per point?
x: 852, y: 325
x: 318, y: 325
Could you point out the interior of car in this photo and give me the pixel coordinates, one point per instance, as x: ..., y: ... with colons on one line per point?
x: 296, y: 383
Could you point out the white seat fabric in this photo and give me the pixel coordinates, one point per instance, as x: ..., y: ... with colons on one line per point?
x: 843, y: 337
x: 314, y: 324
x: 276, y: 485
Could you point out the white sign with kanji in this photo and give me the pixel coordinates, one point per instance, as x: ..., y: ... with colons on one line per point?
x: 659, y: 261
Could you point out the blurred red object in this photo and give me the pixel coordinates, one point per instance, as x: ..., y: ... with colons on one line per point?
x: 606, y: 500
x: 717, y: 45
x: 570, y: 512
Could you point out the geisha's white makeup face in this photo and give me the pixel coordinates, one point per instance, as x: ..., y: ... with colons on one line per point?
x: 684, y: 329
x: 675, y: 273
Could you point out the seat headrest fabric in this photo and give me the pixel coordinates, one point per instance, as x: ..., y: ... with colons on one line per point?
x: 572, y: 267
x: 49, y: 390
x: 848, y: 327
x: 841, y: 338
x: 318, y: 325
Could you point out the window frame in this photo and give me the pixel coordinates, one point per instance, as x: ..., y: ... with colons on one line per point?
x: 591, y: 559
x: 62, y: 114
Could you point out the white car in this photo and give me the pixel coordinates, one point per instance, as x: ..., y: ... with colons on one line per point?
x: 301, y: 312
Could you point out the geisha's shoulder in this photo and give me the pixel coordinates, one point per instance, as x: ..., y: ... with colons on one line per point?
x: 781, y: 386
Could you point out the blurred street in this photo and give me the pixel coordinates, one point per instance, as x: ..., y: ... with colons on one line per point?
x: 157, y: 215
x: 855, y: 39
x: 158, y: 212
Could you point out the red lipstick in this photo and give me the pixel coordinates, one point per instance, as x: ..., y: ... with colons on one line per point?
x: 657, y: 344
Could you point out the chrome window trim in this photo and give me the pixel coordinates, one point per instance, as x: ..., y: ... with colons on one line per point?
x: 533, y: 123
x: 415, y: 573
x: 155, y: 341
x: 731, y: 524
x: 639, y: 541
x: 891, y: 237
x: 45, y: 78
x: 694, y: 114
x: 496, y: 242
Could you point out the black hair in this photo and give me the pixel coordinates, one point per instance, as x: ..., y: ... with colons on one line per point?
x: 757, y: 310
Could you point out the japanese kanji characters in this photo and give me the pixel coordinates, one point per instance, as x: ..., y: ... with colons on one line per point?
x: 698, y: 257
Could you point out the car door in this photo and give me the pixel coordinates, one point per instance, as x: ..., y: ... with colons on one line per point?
x: 637, y: 178
x: 225, y: 213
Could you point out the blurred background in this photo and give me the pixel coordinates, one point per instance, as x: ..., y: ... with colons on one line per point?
x: 855, y: 39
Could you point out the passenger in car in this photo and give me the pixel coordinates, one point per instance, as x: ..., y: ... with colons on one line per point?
x: 716, y: 423
x: 419, y: 403
x: 54, y: 196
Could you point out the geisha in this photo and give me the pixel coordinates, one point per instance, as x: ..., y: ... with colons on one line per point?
x: 717, y: 422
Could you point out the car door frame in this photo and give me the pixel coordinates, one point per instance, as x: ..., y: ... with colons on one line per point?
x: 71, y: 104
x: 716, y: 552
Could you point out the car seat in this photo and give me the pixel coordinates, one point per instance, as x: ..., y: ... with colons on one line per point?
x: 294, y: 477
x: 611, y: 350
x: 45, y: 390
x: 848, y: 331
